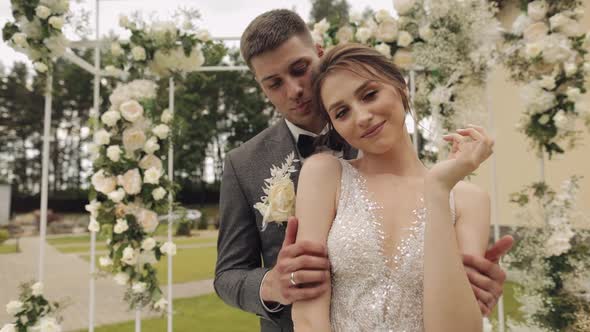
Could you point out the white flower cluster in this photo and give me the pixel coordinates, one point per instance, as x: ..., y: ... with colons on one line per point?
x: 547, y: 55
x: 163, y: 37
x: 17, y: 308
x: 40, y: 38
x: 131, y: 137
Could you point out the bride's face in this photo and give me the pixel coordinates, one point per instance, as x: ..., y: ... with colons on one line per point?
x: 368, y: 114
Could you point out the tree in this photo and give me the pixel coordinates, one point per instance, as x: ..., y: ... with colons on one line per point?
x: 335, y: 11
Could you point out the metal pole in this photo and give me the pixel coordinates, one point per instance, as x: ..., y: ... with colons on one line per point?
x: 95, y: 114
x: 494, y: 197
x: 170, y: 200
x: 45, y: 173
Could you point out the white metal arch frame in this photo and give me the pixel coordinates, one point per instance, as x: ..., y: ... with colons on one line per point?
x: 98, y: 72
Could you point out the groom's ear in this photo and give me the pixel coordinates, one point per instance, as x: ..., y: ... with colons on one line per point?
x: 319, y: 50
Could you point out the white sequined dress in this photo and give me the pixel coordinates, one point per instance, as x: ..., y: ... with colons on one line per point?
x: 371, y: 291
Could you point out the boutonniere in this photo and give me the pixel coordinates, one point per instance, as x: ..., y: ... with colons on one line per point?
x: 278, y: 203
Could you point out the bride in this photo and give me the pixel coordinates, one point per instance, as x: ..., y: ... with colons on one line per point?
x: 393, y: 228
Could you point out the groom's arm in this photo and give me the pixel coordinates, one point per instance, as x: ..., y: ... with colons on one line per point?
x: 239, y: 271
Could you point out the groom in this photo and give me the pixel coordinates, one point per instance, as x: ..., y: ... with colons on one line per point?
x: 263, y: 272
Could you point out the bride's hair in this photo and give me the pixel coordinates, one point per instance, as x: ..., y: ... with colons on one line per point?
x: 363, y: 61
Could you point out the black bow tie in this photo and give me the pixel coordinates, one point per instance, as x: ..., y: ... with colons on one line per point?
x: 306, y: 146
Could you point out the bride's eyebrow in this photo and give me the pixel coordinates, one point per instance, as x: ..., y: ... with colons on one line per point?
x: 357, y: 92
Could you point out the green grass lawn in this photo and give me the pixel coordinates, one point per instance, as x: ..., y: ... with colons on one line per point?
x: 204, y: 313
x: 8, y: 249
x: 190, y: 264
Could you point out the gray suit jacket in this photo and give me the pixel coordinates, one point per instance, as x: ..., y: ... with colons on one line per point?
x: 244, y: 252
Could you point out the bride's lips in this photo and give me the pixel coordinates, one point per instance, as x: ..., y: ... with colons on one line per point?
x: 299, y: 108
x: 373, y: 130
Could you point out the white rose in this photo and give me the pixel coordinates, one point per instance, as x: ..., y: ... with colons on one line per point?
x: 168, y: 248
x: 131, y: 110
x: 148, y: 244
x: 105, y: 261
x: 133, y: 139
x: 121, y: 226
x: 147, y: 219
x: 386, y: 31
x: 404, y: 39
x: 570, y: 69
x: 355, y: 17
x: 203, y: 35
x: 56, y: 44
x: 544, y: 119
x: 40, y: 67
x: 14, y: 307
x: 20, y: 39
x: 47, y: 324
x: 161, y: 304
x: 110, y: 118
x: 114, y: 153
x: 147, y: 257
x: 557, y: 48
x: 535, y: 31
x: 426, y: 33
x: 117, y: 195
x: 150, y: 161
x: 281, y: 201
x: 383, y: 15
x: 317, y: 37
x: 93, y: 225
x: 130, y: 181
x: 116, y: 49
x: 151, y: 145
x: 138, y: 53
x: 322, y: 26
x: 8, y: 328
x: 521, y: 23
x: 403, y: 59
x: 403, y: 7
x: 56, y: 21
x: 166, y: 116
x: 533, y: 49
x: 121, y: 278
x: 345, y: 34
x: 129, y: 256
x: 124, y: 21
x: 103, y: 184
x: 158, y: 193
x: 363, y: 34
x: 559, y: 242
x: 161, y: 131
x: 573, y: 93
x: 564, y: 24
x: 562, y: 121
x: 37, y: 289
x: 42, y: 12
x: 139, y: 287
x: 537, y: 10
x: 152, y: 176
x: 93, y: 207
x: 384, y: 49
x: 547, y: 82
x: 102, y: 137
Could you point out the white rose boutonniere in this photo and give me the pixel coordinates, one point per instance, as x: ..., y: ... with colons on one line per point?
x: 279, y: 202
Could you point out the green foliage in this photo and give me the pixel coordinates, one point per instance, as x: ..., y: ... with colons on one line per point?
x: 334, y: 11
x: 4, y: 235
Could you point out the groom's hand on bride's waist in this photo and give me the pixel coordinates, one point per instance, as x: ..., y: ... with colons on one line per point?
x: 486, y: 276
x: 301, y: 272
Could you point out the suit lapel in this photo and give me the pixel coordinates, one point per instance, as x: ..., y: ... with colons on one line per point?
x: 279, y: 145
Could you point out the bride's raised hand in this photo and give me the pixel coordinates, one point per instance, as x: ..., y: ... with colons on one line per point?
x: 471, y: 146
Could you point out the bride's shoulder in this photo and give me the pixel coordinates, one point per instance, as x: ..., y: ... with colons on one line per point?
x: 321, y: 166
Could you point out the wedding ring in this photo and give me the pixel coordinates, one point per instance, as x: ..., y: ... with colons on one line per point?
x: 292, y: 279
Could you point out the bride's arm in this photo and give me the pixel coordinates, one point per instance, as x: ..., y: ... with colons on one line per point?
x: 449, y: 302
x: 315, y: 209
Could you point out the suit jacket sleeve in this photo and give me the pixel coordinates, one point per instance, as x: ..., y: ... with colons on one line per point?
x: 239, y: 271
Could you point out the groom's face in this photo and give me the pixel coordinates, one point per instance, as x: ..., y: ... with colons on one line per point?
x: 285, y: 75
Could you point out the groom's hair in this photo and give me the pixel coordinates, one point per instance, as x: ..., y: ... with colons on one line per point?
x: 270, y: 30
